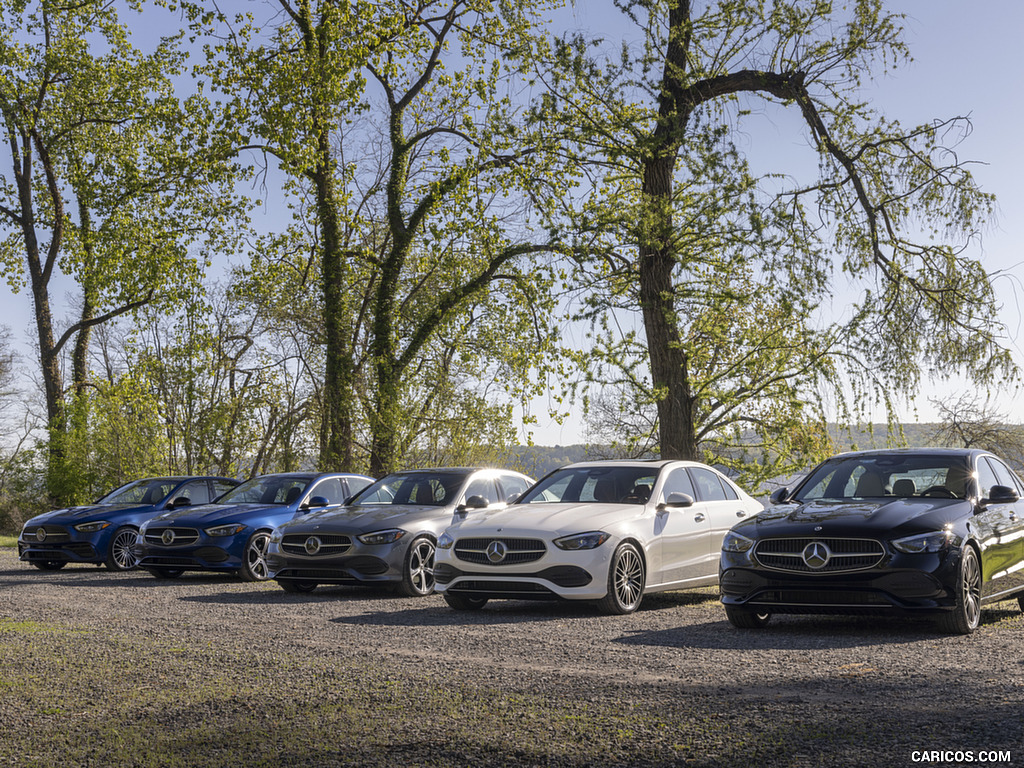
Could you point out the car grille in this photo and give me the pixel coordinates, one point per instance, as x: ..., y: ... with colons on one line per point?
x: 182, y: 537
x: 54, y: 534
x: 330, y: 544
x: 821, y: 599
x: 517, y: 551
x: 512, y: 590
x: 846, y: 554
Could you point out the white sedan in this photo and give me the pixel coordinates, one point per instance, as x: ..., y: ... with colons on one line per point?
x: 608, y: 531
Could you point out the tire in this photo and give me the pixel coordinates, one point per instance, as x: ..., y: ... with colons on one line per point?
x: 254, y: 558
x: 164, y: 573
x: 49, y: 565
x: 418, y: 572
x: 120, y: 556
x: 464, y: 602
x: 966, y: 615
x: 626, y: 581
x: 746, y: 618
x: 297, y: 587
x: 1020, y: 602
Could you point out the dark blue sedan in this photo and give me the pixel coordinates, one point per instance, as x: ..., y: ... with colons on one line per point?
x: 232, y: 534
x: 105, y: 532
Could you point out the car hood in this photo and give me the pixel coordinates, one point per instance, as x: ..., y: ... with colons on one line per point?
x: 854, y: 517
x: 84, y: 513
x: 558, y: 519
x: 363, y: 519
x: 206, y: 514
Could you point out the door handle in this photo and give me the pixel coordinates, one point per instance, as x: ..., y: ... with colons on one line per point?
x: 699, y: 517
x: 741, y: 513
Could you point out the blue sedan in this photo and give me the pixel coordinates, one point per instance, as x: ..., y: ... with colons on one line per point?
x: 105, y: 532
x: 232, y: 534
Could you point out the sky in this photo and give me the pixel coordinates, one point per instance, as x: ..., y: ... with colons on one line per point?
x: 966, y: 62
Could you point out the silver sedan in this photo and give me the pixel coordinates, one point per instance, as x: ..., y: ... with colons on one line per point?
x: 388, y: 532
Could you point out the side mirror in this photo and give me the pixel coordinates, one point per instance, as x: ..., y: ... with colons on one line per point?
x: 316, y: 502
x: 181, y: 501
x: 1000, y: 494
x: 677, y: 500
x: 473, y: 502
x: 779, y: 496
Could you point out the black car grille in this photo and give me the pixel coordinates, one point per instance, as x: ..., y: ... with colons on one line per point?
x: 845, y: 554
x: 517, y: 551
x: 330, y: 544
x: 822, y: 599
x: 522, y: 590
x: 182, y: 537
x: 54, y: 534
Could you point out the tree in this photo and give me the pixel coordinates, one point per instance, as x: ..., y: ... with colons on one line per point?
x: 968, y: 421
x: 108, y: 183
x: 414, y: 175
x: 892, y: 209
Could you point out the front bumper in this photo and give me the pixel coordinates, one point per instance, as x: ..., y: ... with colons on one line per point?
x: 66, y: 545
x: 907, y: 584
x: 205, y: 554
x: 557, y: 575
x: 347, y: 562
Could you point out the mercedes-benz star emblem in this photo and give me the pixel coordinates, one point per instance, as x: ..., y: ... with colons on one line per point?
x: 168, y: 537
x: 496, y: 551
x: 816, y: 555
x: 40, y: 534
x: 313, y: 545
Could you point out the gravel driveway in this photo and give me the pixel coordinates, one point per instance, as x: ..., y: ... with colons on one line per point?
x: 107, y: 669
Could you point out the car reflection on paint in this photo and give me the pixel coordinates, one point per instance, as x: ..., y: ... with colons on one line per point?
x: 937, y: 532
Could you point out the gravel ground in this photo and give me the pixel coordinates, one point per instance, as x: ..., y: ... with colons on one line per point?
x: 101, y: 669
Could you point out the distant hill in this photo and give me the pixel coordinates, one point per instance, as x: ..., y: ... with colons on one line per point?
x: 538, y: 460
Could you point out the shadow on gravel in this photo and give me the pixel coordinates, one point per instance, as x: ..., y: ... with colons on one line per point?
x: 261, y: 594
x: 496, y: 612
x: 802, y: 633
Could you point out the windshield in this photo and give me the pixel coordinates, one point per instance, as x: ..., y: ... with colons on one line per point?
x: 141, y: 492
x: 887, y: 476
x: 432, y: 489
x: 614, y: 485
x: 271, y: 489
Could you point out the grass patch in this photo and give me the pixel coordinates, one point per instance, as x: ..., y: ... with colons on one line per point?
x: 8, y: 541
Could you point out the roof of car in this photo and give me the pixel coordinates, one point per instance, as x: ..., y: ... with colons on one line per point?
x: 940, y: 451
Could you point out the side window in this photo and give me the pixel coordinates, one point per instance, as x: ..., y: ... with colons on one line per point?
x: 330, y: 488
x: 356, y: 484
x: 986, y: 478
x: 1004, y: 475
x: 678, y: 481
x: 220, y: 487
x: 709, y: 487
x: 198, y: 492
x: 513, y: 485
x: 482, y: 486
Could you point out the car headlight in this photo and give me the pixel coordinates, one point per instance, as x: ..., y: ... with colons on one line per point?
x: 734, y: 542
x: 99, y: 525
x: 388, y: 536
x: 935, y: 541
x: 276, y: 535
x: 446, y: 541
x: 225, y: 530
x: 589, y: 540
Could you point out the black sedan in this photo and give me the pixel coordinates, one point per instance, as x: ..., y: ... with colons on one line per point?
x: 913, y: 531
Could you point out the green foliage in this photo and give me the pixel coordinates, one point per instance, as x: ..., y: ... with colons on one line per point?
x: 709, y: 299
